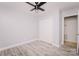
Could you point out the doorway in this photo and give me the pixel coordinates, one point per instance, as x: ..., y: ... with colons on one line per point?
x: 70, y: 31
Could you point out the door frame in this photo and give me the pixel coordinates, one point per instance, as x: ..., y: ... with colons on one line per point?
x: 62, y: 41
x: 70, y: 12
x: 78, y: 35
x: 75, y: 23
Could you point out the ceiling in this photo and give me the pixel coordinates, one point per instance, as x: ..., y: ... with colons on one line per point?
x: 49, y: 5
x: 65, y: 5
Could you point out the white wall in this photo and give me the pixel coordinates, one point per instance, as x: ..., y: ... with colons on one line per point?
x: 45, y: 32
x: 70, y: 12
x: 16, y: 24
x: 49, y: 25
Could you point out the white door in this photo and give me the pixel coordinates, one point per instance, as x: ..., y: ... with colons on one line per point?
x: 70, y: 26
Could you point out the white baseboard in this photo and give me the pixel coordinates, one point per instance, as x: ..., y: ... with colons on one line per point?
x: 18, y: 44
x: 56, y: 45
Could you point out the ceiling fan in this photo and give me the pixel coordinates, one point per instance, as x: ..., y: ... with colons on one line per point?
x: 37, y: 6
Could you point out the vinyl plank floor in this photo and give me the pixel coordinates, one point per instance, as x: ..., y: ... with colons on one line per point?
x: 39, y: 48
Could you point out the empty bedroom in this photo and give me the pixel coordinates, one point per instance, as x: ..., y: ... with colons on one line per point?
x: 39, y: 28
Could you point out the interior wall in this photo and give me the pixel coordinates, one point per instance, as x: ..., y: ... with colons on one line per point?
x: 16, y: 24
x: 49, y: 25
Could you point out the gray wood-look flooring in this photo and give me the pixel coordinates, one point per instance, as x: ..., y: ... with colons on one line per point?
x: 39, y: 48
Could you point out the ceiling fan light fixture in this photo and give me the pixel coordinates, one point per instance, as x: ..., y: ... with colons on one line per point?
x: 37, y: 6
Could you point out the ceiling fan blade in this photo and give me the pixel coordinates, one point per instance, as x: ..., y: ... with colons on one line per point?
x: 41, y: 3
x: 41, y: 9
x: 30, y: 4
x: 32, y: 9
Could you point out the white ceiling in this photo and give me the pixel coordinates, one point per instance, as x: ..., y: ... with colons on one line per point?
x: 65, y: 5
x: 61, y: 5
x: 49, y: 5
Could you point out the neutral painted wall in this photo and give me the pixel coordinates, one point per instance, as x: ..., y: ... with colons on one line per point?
x: 70, y: 12
x: 16, y: 24
x: 49, y: 25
